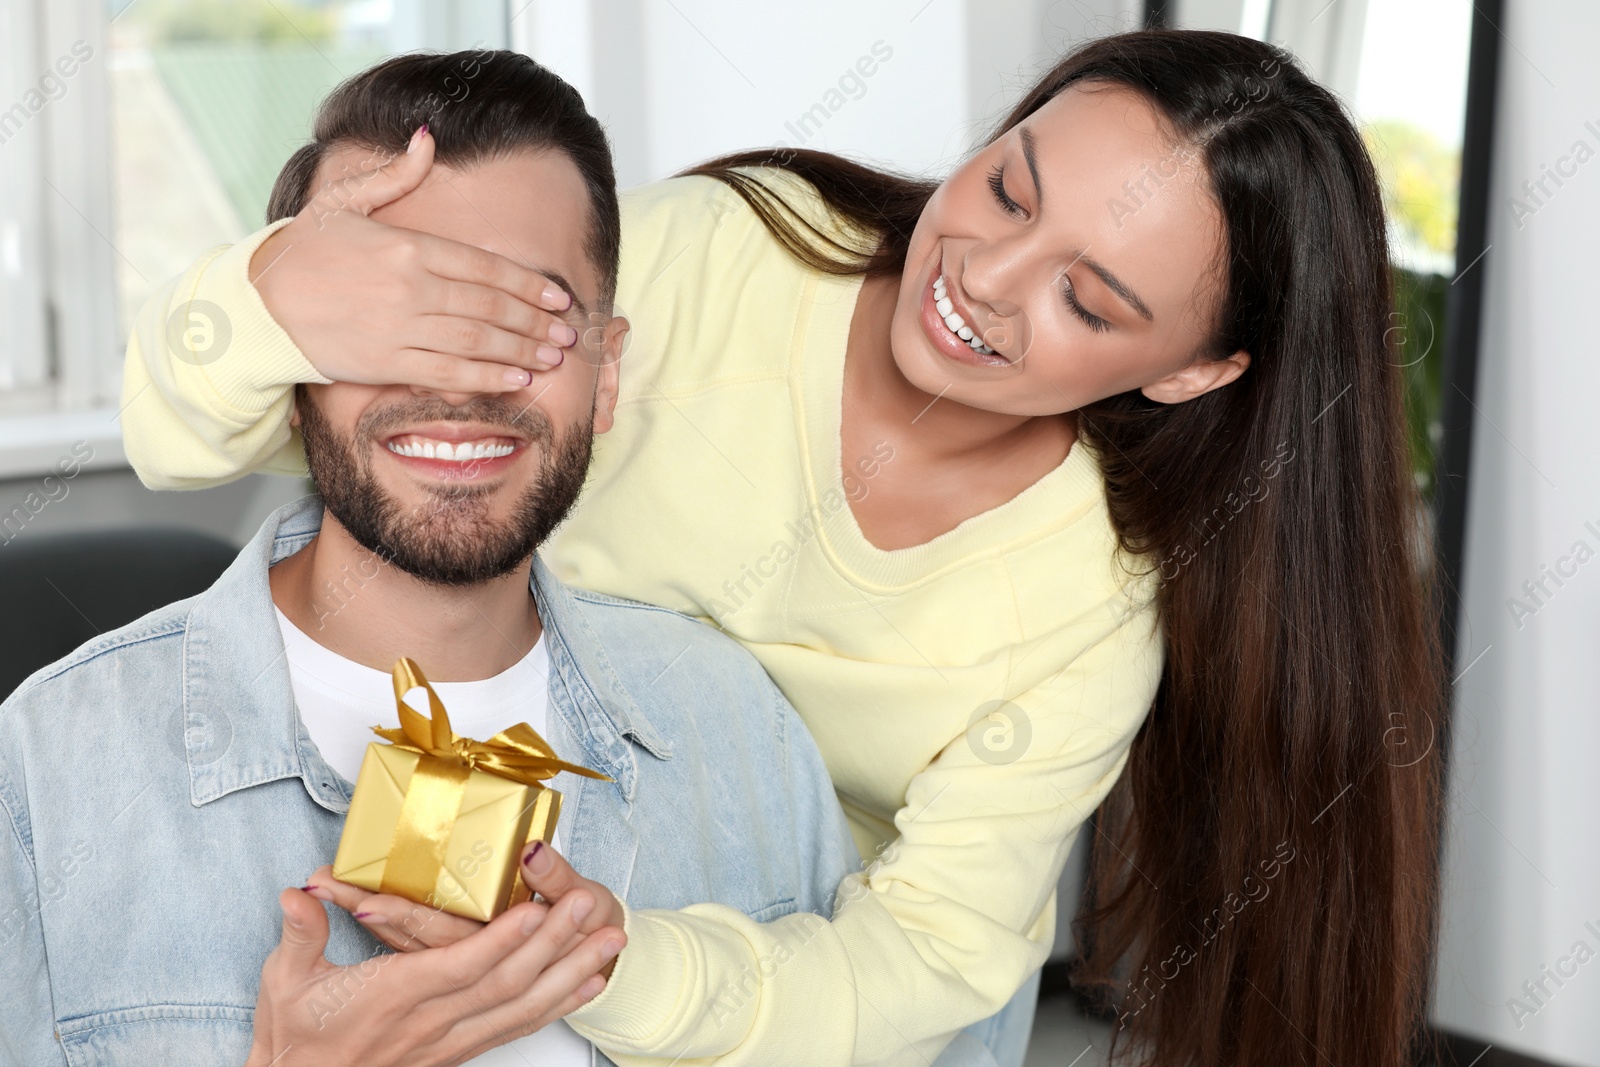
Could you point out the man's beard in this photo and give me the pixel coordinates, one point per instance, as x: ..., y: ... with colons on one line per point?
x: 450, y: 538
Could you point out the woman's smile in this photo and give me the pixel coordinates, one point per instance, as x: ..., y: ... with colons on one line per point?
x: 947, y: 319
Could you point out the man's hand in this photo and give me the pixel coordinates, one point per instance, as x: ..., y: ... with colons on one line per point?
x: 408, y: 927
x: 434, y: 1007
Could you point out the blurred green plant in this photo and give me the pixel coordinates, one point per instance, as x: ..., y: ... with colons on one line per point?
x: 1418, y: 331
x: 1420, y: 180
x: 173, y: 21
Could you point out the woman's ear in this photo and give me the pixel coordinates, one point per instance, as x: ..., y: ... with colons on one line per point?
x: 1201, y: 376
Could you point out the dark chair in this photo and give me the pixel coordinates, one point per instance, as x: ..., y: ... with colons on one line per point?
x: 56, y: 592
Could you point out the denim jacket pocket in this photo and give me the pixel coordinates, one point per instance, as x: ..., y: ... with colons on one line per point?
x: 172, y: 1035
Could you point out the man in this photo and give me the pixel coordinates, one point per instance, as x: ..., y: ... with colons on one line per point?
x: 163, y: 782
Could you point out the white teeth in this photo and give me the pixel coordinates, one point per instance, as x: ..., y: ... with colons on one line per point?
x: 456, y: 453
x: 953, y: 321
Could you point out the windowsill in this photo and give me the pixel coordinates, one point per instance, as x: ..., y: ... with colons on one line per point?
x: 32, y: 445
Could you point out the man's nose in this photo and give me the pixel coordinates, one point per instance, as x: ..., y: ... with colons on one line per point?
x: 453, y: 398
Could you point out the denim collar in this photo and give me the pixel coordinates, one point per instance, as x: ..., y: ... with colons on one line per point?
x: 241, y: 724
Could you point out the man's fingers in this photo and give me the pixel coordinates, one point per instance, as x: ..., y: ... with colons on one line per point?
x: 466, y: 962
x: 586, y: 992
x: 305, y: 931
x: 556, y: 990
x: 531, y: 934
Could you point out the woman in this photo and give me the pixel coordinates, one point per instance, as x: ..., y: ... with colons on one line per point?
x: 967, y: 457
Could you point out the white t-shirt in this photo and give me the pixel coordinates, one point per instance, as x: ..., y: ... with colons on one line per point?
x: 341, y: 700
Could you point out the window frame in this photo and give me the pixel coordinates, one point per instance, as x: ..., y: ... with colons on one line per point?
x: 59, y: 299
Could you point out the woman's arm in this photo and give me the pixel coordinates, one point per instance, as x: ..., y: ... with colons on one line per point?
x: 330, y: 294
x: 209, y: 377
x: 937, y: 933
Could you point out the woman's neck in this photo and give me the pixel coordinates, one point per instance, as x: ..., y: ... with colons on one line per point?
x: 945, y: 430
x: 952, y: 461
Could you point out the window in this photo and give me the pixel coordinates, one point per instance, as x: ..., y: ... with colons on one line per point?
x: 1402, y: 69
x: 200, y: 103
x: 1411, y: 94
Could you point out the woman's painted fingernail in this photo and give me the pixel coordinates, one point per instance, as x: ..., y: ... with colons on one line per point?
x: 557, y: 297
x: 581, y: 909
x: 564, y: 335
x: 518, y: 378
x: 416, y: 138
x: 549, y: 357
x: 610, y: 949
x: 369, y: 917
x: 527, y: 861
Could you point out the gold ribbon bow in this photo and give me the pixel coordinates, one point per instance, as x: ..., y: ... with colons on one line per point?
x: 433, y: 797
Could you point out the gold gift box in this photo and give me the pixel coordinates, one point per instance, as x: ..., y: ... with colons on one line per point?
x: 442, y: 820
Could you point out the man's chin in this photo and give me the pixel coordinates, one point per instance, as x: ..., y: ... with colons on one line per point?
x: 439, y: 532
x: 444, y: 539
x: 450, y: 555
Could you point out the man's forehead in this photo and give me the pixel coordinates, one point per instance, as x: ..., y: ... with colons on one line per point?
x: 531, y: 207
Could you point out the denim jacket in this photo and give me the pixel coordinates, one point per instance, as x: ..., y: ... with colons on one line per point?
x: 158, y: 790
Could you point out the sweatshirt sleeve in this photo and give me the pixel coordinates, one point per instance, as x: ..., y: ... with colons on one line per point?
x: 937, y: 933
x: 209, y: 378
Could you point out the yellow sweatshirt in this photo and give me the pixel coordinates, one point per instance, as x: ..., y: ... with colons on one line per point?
x: 974, y: 697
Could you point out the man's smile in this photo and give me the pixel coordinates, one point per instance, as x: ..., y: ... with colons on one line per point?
x: 456, y: 451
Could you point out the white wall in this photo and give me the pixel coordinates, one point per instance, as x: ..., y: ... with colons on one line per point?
x: 1523, y: 856
x: 678, y: 81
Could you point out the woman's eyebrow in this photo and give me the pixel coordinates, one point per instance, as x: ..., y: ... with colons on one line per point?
x: 1030, y: 153
x: 1116, y: 286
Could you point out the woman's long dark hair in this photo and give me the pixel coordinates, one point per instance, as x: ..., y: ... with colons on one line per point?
x: 1264, y: 874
